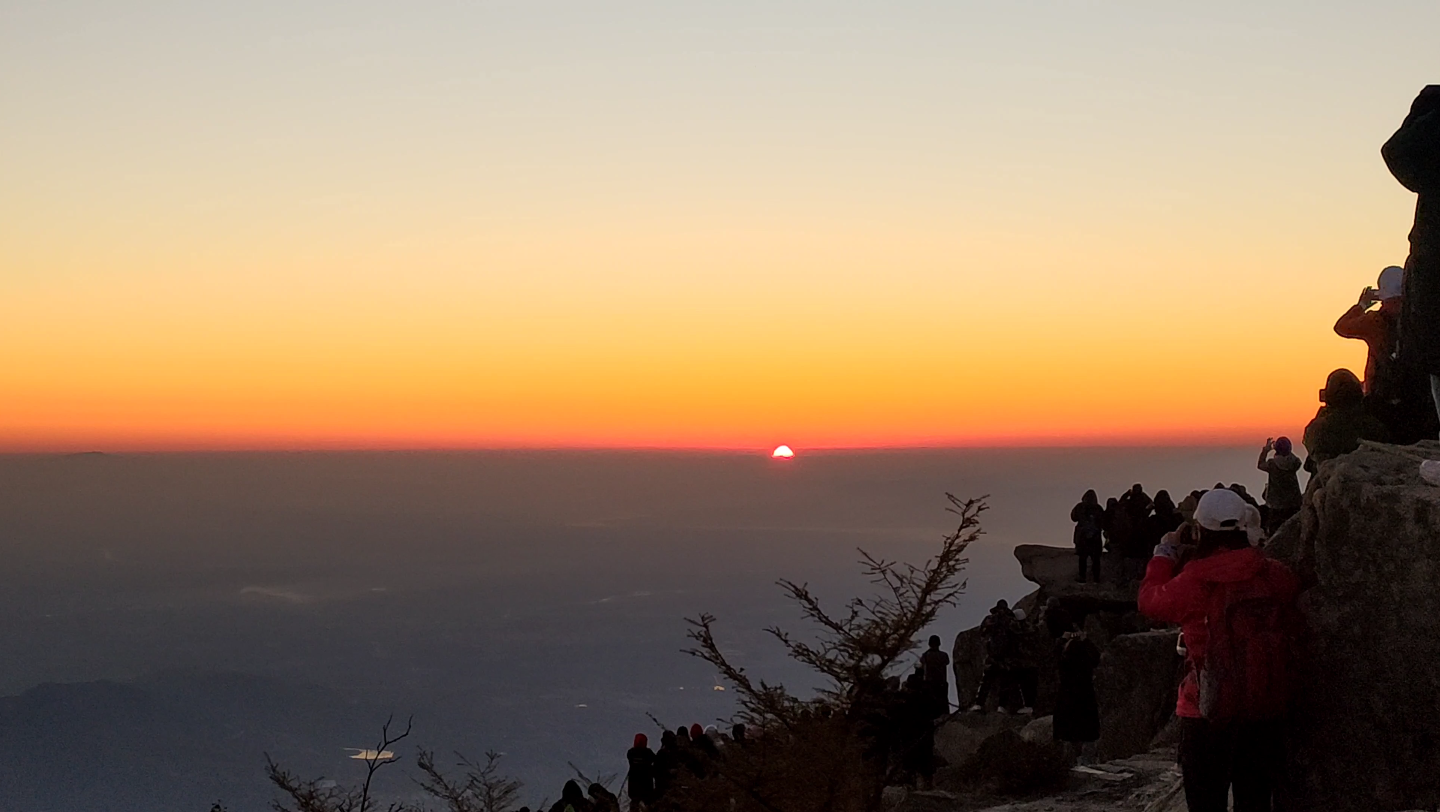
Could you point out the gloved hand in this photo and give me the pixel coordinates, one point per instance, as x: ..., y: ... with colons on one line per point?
x: 1169, y: 547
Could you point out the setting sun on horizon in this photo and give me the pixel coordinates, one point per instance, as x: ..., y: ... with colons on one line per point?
x: 695, y: 227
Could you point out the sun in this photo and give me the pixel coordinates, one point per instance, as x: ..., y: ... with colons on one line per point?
x: 782, y: 452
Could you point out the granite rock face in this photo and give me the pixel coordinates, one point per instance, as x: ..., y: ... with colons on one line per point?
x: 1055, y: 569
x: 1135, y: 685
x: 1366, y: 732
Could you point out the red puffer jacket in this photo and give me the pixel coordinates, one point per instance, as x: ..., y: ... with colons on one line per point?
x: 1182, y: 598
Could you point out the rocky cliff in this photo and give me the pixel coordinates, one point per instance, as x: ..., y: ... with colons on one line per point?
x: 1366, y: 732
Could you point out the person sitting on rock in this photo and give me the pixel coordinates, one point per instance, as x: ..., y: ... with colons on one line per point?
x: 1089, y: 519
x: 1077, y: 712
x: 935, y: 665
x: 1236, y: 610
x: 1282, y: 490
x: 1342, y: 422
x: 997, y: 635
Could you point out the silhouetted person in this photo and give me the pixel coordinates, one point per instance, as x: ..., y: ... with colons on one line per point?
x: 705, y: 749
x: 572, y: 799
x: 1089, y: 519
x: 667, y: 764
x: 1413, y: 156
x: 1111, y: 523
x: 1396, y: 390
x: 935, y: 665
x: 997, y: 633
x: 1165, y: 518
x: 640, y: 779
x: 737, y: 733
x: 1057, y: 620
x: 603, y: 800
x: 1342, y: 422
x: 1282, y: 493
x: 1077, y: 712
x: 915, y: 731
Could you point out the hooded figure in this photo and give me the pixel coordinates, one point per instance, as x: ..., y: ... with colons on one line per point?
x: 1077, y: 712
x: 667, y: 764
x: 572, y: 799
x: 641, y: 776
x: 1089, y: 519
x: 1413, y: 156
x: 1342, y: 422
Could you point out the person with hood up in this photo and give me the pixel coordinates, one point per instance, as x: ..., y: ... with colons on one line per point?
x: 1089, y: 519
x: 1077, y: 711
x: 572, y: 799
x: 1236, y: 610
x: 667, y: 764
x: 1413, y: 156
x: 1342, y: 422
x: 640, y: 779
x: 1282, y: 493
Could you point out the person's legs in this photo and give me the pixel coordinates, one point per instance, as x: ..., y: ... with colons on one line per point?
x: 1095, y: 565
x: 987, y: 681
x: 1259, y: 755
x: 1205, y: 756
x: 1080, y: 554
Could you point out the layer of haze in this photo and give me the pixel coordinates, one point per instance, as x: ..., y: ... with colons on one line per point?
x: 338, y: 224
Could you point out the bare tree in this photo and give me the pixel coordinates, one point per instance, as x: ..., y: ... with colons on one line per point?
x: 319, y: 795
x: 482, y: 788
x: 828, y: 754
x: 859, y: 646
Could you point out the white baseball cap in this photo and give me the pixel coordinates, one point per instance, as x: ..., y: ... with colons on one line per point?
x: 1391, y: 282
x: 1223, y: 509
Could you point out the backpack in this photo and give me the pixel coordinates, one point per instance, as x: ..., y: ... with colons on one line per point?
x: 1245, y: 675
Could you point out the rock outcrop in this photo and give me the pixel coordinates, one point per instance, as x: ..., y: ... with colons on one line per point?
x: 1366, y: 733
x: 1135, y: 685
x: 1055, y: 569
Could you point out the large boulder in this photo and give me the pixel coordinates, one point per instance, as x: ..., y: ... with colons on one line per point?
x: 1055, y: 570
x: 1135, y: 686
x: 1366, y: 733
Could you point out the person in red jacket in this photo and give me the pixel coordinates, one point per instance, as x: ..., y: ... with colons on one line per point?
x: 1220, y: 751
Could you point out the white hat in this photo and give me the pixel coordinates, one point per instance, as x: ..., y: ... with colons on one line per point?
x: 1391, y: 282
x: 1019, y: 614
x: 1223, y: 509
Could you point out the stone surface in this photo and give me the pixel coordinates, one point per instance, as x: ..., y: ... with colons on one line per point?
x: 960, y: 736
x: 1366, y: 733
x: 1040, y: 731
x: 1135, y: 685
x: 1055, y: 570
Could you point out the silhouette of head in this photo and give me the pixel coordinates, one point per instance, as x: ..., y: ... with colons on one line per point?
x: 696, y: 731
x: 1002, y: 604
x: 1090, y: 498
x: 1427, y: 102
x: 1282, y: 445
x: 640, y: 740
x: 1342, y: 390
x: 934, y: 641
x: 682, y: 734
x: 1391, y: 283
x: 737, y: 732
x: 1052, y: 603
x: 1163, y: 500
x: 667, y: 739
x: 1137, y: 489
x: 572, y: 792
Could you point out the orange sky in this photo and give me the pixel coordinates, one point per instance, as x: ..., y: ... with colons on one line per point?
x: 333, y: 228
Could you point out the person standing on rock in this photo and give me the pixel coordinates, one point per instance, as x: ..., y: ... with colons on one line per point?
x: 1282, y: 491
x: 1236, y: 610
x: 1413, y: 156
x: 1089, y: 519
x: 1077, y: 712
x: 936, y: 666
x: 1340, y: 425
x: 998, y: 637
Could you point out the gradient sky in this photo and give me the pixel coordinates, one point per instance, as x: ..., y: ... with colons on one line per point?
x: 361, y: 224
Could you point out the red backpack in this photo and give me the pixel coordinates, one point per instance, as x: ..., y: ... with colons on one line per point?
x: 1245, y: 675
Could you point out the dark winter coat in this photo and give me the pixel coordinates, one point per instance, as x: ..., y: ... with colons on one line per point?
x: 641, y: 777
x: 1413, y: 156
x: 1077, y: 713
x: 1089, y: 519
